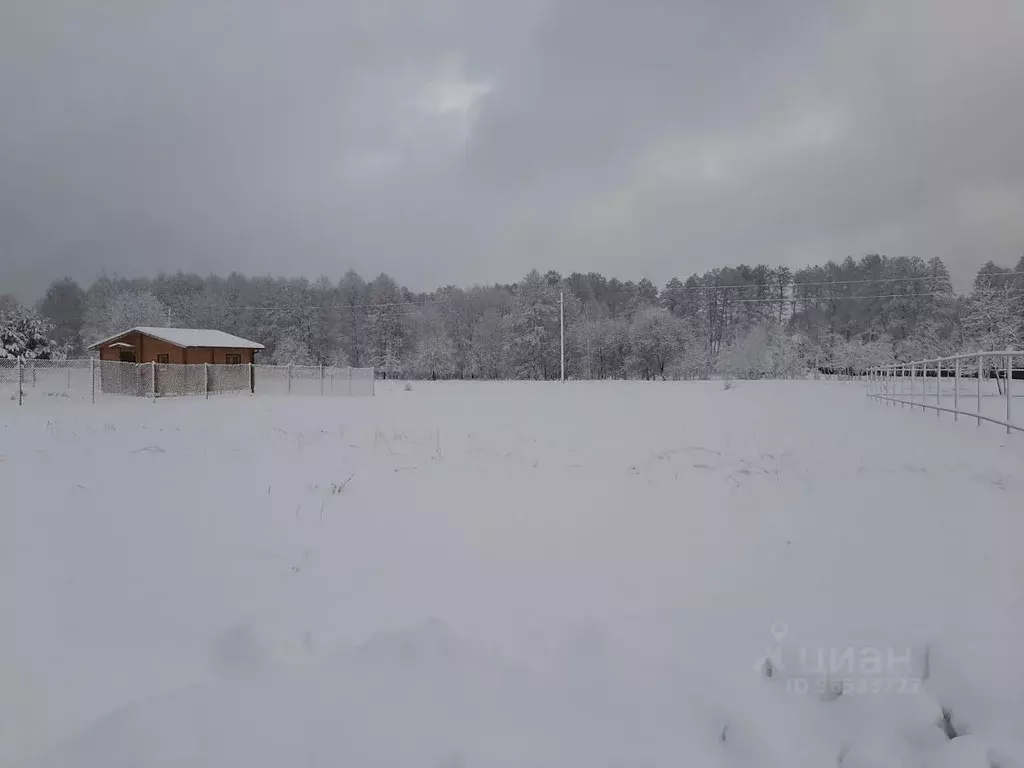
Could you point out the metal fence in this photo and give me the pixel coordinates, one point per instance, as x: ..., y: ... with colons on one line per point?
x: 983, y: 381
x: 313, y: 380
x: 90, y: 380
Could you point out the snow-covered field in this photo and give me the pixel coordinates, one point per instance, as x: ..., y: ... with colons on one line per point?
x: 511, y: 574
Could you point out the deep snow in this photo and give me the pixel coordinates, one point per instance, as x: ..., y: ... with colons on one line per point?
x: 511, y: 574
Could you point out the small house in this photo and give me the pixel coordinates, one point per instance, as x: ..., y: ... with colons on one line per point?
x: 183, y: 346
x: 175, y: 361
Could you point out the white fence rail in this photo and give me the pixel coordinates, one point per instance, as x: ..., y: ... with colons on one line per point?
x: 982, y: 380
x: 88, y: 380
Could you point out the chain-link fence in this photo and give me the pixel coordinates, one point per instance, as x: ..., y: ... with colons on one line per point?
x: 313, y: 380
x: 92, y: 379
x: 64, y: 379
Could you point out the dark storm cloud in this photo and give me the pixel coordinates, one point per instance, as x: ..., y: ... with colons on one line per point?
x: 465, y: 140
x: 698, y: 135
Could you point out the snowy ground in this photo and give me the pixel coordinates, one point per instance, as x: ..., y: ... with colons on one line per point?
x: 505, y: 574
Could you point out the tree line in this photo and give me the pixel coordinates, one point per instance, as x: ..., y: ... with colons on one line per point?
x: 744, y: 321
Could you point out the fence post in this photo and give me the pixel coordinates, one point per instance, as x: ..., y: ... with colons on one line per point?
x: 321, y: 379
x: 21, y: 381
x: 69, y: 378
x: 33, y: 365
x: 938, y: 388
x: 206, y: 379
x: 152, y: 378
x: 956, y: 392
x: 289, y: 378
x: 350, y: 381
x: 903, y: 387
x: 980, y: 369
x: 252, y: 380
x: 92, y: 377
x: 1009, y: 378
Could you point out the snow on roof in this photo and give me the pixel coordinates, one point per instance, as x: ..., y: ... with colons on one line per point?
x: 188, y: 337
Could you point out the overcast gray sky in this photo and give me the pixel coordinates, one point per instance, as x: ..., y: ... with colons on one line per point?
x: 470, y: 140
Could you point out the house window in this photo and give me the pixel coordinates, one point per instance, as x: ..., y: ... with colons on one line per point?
x: 233, y: 359
x: 163, y: 359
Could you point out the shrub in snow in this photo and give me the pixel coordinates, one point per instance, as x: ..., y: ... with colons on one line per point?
x: 25, y: 335
x: 761, y: 353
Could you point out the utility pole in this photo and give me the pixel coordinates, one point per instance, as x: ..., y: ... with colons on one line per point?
x: 561, y: 327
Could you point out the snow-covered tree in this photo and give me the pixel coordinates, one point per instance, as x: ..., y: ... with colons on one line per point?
x: 487, y: 346
x: 990, y: 319
x: 387, y: 325
x: 785, y: 359
x: 133, y: 308
x: 602, y: 348
x: 290, y: 350
x: 110, y: 310
x: 391, y: 364
x: 533, y: 329
x: 25, y: 335
x: 656, y: 339
x: 694, y: 362
x: 352, y: 297
x: 586, y: 340
x: 338, y: 359
x: 435, y: 353
x: 64, y: 305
